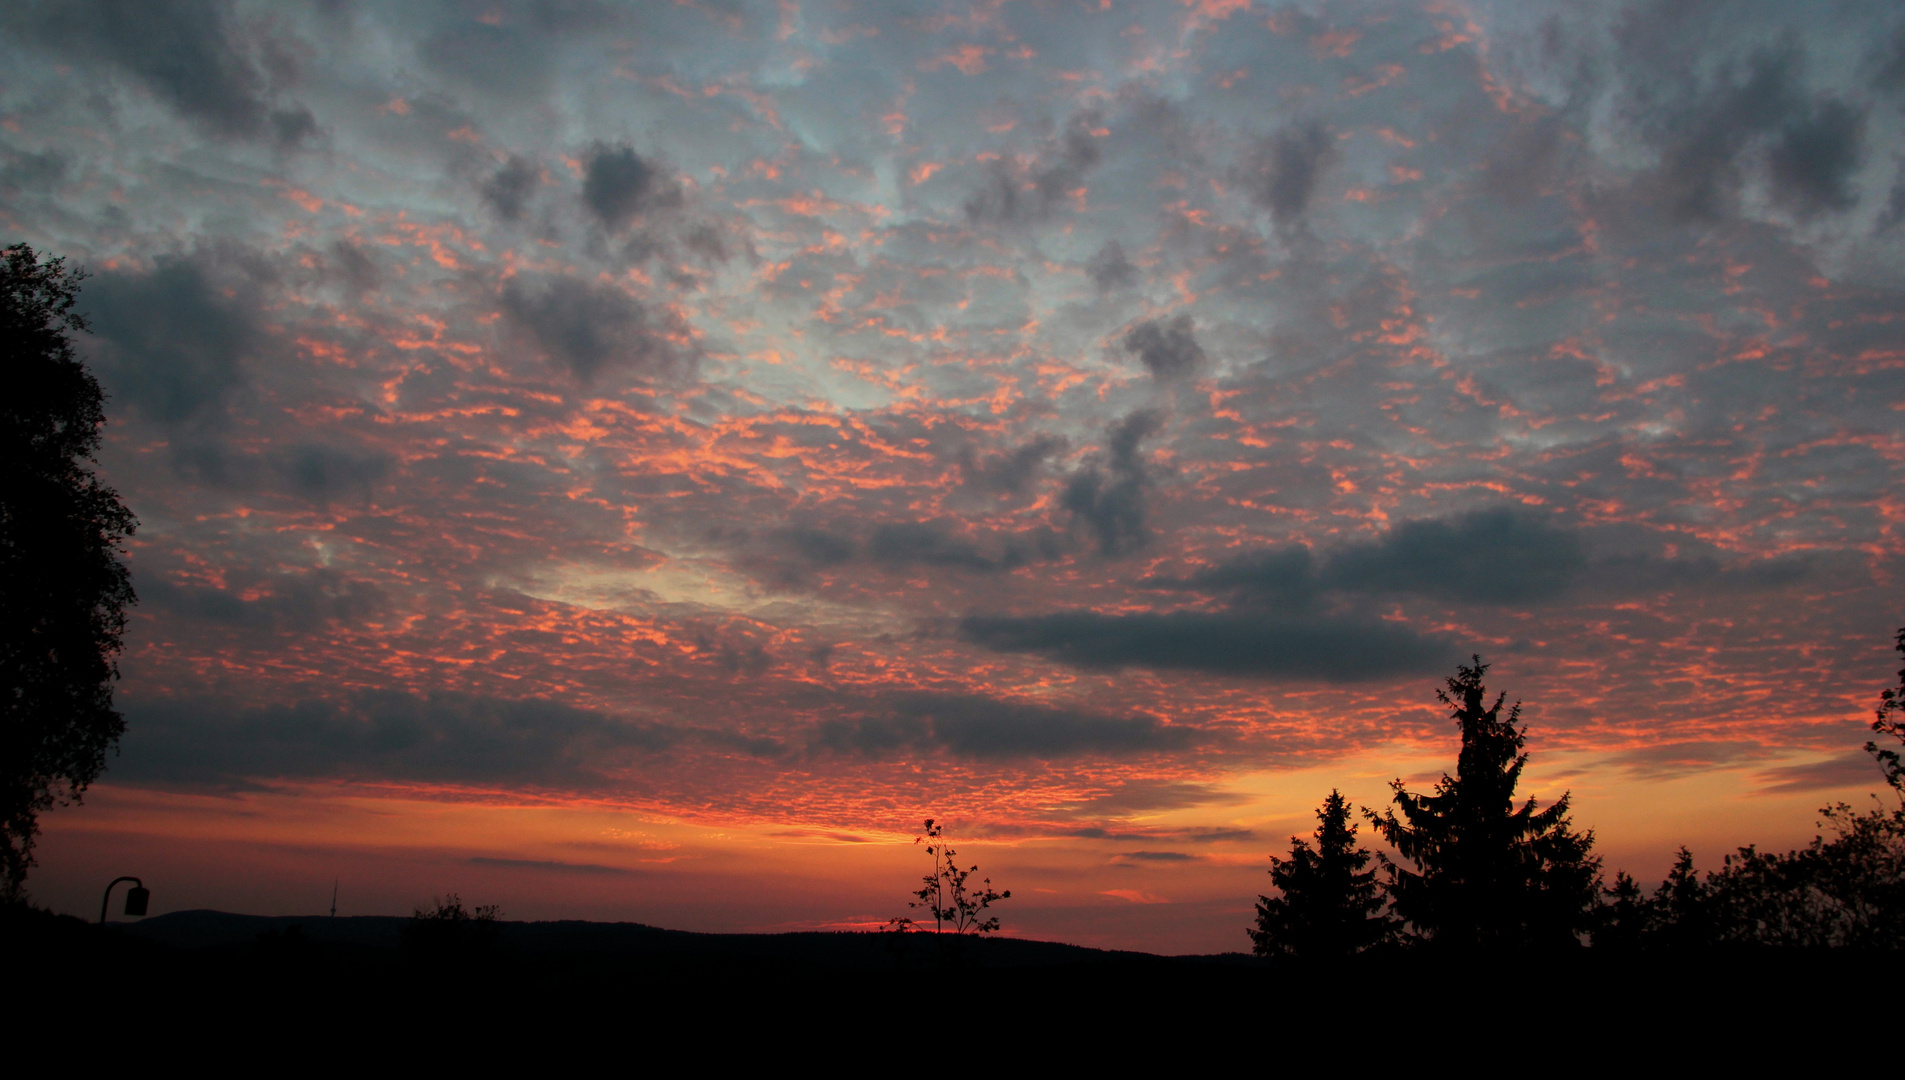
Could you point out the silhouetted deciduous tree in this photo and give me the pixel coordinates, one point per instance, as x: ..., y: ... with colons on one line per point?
x: 448, y: 931
x: 1891, y: 721
x: 1328, y: 903
x: 1486, y: 873
x: 1844, y: 892
x: 63, y: 588
x: 943, y: 894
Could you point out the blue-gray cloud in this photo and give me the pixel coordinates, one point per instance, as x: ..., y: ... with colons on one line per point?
x: 1245, y: 643
x: 509, y: 189
x: 1167, y: 348
x: 173, y: 344
x: 1107, y: 496
x: 618, y: 184
x: 1284, y: 169
x: 197, y: 55
x: 457, y: 738
x: 985, y: 728
x: 588, y: 327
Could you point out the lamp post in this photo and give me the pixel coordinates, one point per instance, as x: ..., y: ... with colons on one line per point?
x: 137, y: 898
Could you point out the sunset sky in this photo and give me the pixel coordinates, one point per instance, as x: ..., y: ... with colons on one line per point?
x: 635, y: 461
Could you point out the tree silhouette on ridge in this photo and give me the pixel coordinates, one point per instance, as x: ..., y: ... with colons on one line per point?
x: 1487, y: 874
x: 63, y: 586
x: 1329, y: 904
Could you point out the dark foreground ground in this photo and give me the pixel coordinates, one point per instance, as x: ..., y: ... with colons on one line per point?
x: 323, y: 988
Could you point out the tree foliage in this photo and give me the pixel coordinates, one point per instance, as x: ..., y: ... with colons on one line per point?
x: 449, y: 931
x: 63, y: 586
x: 1842, y: 891
x: 944, y: 894
x: 1890, y: 720
x: 1846, y: 891
x: 1485, y: 873
x: 1328, y: 904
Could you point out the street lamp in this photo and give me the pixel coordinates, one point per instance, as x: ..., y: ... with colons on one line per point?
x: 137, y: 898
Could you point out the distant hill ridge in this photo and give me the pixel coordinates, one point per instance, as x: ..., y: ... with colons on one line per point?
x: 193, y: 930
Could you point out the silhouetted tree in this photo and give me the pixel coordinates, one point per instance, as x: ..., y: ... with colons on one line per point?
x: 446, y: 930
x: 1846, y: 891
x: 1842, y: 892
x: 1328, y: 904
x: 1623, y: 919
x: 1890, y: 720
x: 943, y: 894
x: 1487, y: 874
x: 63, y: 588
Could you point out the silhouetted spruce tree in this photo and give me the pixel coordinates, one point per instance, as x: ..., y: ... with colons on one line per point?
x: 63, y: 588
x: 1329, y: 904
x: 1486, y: 873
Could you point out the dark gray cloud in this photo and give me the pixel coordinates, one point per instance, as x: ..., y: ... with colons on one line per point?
x: 589, y: 326
x: 1194, y: 835
x: 1011, y: 472
x: 169, y: 342
x: 453, y: 738
x: 1846, y: 770
x: 929, y: 543
x: 1525, y: 160
x: 509, y: 189
x: 1815, y: 157
x: 26, y: 170
x: 986, y: 728
x: 1894, y: 210
x: 296, y: 602
x: 1488, y: 556
x: 1890, y: 75
x: 1167, y: 348
x: 735, y: 656
x: 1281, y: 175
x: 553, y: 866
x: 1498, y: 555
x: 1670, y: 760
x: 1286, y: 577
x: 290, y: 127
x: 817, y: 547
x: 188, y: 53
x: 322, y: 473
x: 1257, y: 644
x: 1004, y: 197
x: 618, y: 184
x: 1109, y: 269
x: 353, y: 267
x: 510, y: 55
x: 1107, y: 496
x: 1702, y: 132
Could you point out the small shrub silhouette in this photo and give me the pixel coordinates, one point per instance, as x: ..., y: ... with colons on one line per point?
x: 959, y: 912
x: 448, y: 931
